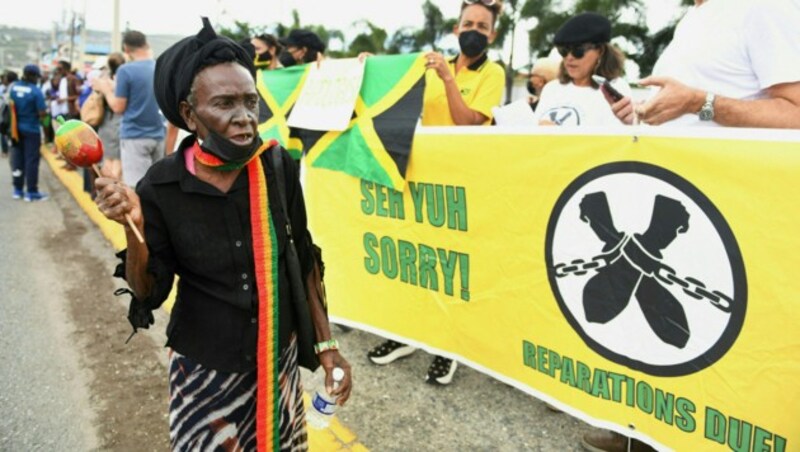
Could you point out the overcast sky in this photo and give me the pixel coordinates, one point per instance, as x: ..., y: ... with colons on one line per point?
x: 181, y: 17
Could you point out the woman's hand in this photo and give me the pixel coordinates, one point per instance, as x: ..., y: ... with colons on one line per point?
x: 329, y: 360
x: 115, y: 199
x: 624, y: 110
x: 436, y: 61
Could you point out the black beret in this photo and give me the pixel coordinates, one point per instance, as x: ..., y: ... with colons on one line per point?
x: 304, y: 38
x: 584, y: 27
x: 177, y: 67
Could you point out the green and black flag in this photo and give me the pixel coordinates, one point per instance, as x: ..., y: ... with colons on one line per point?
x: 376, y: 145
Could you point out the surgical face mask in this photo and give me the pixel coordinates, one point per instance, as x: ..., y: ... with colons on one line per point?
x: 286, y: 59
x: 473, y: 43
x: 226, y: 150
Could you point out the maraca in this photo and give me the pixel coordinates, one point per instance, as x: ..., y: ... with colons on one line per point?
x: 79, y: 144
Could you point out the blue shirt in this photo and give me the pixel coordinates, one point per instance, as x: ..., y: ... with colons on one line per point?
x: 141, y: 118
x: 28, y: 101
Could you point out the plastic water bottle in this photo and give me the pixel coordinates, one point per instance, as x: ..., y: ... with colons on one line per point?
x: 323, y: 405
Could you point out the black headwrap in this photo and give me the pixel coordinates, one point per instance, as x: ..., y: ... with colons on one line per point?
x: 177, y: 67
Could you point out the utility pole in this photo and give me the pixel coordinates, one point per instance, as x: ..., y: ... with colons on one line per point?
x: 84, y: 35
x: 116, y: 38
x: 72, y: 39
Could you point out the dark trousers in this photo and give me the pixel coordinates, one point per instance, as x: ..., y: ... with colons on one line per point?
x: 4, y: 144
x: 25, y: 162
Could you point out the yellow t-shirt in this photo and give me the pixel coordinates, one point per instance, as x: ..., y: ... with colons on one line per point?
x: 481, y: 85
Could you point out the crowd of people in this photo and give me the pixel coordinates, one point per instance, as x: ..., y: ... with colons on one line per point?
x: 728, y: 65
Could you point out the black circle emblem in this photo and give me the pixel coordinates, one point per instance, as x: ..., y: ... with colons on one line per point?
x: 646, y: 269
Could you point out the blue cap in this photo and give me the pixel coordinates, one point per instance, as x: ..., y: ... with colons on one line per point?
x: 32, y: 69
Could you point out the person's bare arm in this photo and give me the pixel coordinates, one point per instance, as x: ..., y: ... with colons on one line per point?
x: 106, y: 87
x: 114, y: 199
x: 462, y: 115
x: 781, y: 109
x: 332, y: 358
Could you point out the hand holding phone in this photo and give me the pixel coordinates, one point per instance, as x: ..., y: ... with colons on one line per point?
x: 611, y: 93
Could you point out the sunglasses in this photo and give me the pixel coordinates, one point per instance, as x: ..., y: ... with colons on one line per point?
x: 485, y: 2
x: 577, y: 50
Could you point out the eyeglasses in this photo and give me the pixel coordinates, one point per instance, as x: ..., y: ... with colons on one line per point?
x: 577, y: 50
x: 485, y: 2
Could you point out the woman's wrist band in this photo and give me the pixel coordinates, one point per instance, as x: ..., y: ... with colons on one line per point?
x: 331, y: 344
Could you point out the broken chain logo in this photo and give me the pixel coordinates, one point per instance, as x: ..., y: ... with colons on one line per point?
x: 645, y: 269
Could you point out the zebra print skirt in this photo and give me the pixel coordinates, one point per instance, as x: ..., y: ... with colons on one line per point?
x: 211, y: 410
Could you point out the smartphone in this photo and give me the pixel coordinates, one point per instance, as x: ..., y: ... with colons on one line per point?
x: 608, y: 90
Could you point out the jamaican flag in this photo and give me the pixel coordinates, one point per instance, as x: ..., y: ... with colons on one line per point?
x: 376, y: 145
x: 278, y: 90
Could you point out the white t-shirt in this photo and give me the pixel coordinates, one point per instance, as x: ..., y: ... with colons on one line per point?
x: 570, y: 105
x: 58, y: 107
x: 734, y: 48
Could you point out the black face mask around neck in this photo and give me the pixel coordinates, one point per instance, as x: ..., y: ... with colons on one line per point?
x: 473, y: 43
x: 226, y: 150
x: 286, y: 59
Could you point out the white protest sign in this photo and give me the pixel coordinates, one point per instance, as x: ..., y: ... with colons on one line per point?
x: 328, y: 96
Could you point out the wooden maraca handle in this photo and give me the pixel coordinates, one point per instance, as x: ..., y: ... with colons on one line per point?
x: 127, y: 216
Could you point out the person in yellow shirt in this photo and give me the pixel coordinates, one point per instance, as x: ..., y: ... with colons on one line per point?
x: 462, y: 90
x: 459, y: 91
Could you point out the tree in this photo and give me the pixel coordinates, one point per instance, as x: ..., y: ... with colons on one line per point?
x: 240, y: 31
x: 403, y: 40
x: 512, y: 15
x: 372, y: 40
x: 434, y: 26
x: 657, y: 42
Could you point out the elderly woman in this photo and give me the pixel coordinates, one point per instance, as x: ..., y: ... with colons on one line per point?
x: 543, y: 72
x: 212, y: 214
x: 575, y: 98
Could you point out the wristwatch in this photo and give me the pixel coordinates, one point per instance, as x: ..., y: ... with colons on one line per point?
x: 707, y: 112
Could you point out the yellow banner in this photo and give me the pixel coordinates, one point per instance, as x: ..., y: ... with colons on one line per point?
x: 642, y: 284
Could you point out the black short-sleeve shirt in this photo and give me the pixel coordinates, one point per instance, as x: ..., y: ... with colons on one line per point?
x: 195, y: 231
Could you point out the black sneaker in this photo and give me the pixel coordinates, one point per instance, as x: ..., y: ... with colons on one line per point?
x: 441, y: 371
x: 389, y: 351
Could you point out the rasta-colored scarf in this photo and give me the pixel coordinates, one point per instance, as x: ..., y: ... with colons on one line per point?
x: 265, y: 253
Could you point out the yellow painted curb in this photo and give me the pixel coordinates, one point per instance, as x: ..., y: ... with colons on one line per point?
x: 336, y: 437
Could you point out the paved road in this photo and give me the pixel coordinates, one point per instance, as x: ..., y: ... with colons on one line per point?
x: 44, y: 399
x: 65, y: 378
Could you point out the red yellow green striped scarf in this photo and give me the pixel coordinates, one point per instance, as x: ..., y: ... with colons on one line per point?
x: 265, y: 253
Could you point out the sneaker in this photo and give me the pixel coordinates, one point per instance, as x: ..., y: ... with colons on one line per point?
x: 608, y: 441
x: 389, y: 352
x: 35, y: 196
x: 441, y: 371
x: 17, y: 194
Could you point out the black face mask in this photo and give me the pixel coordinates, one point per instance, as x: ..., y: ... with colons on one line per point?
x: 263, y: 59
x: 286, y: 59
x: 531, y: 88
x: 224, y: 149
x: 473, y: 43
